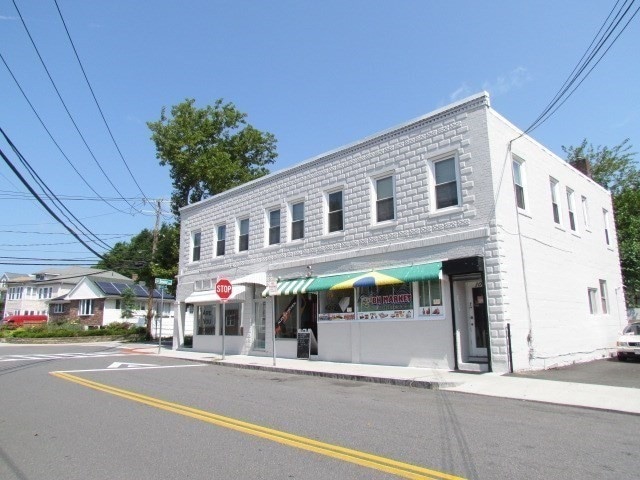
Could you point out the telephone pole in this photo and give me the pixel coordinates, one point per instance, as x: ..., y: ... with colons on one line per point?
x: 154, y: 247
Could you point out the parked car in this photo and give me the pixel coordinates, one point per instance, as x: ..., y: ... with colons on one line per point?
x: 17, y: 320
x: 629, y: 342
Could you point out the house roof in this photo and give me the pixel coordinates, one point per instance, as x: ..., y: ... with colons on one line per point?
x: 116, y: 289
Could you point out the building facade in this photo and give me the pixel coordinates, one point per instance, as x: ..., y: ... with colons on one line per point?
x: 451, y: 241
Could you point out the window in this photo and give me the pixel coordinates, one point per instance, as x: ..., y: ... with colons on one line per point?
x: 243, y: 235
x: 221, y: 235
x: 385, y: 302
x: 554, y: 200
x: 297, y: 221
x: 385, y: 209
x: 205, y: 319
x: 518, y: 183
x: 336, y: 305
x: 430, y: 301
x: 274, y: 227
x: 593, y: 302
x: 336, y: 216
x: 15, y: 293
x: 446, y: 183
x: 603, y: 296
x: 605, y: 216
x: 286, y: 320
x: 195, y: 246
x: 58, y: 308
x: 585, y: 213
x: 571, y: 209
x: 232, y: 319
x: 86, y: 307
x: 45, y: 292
x: 118, y: 304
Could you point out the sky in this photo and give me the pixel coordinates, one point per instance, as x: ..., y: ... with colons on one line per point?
x: 318, y: 75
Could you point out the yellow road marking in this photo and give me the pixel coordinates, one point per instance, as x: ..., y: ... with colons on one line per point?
x: 388, y: 465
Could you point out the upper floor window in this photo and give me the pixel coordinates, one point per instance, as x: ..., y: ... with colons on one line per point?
x: 335, y: 220
x: 243, y: 235
x: 446, y: 183
x: 274, y: 227
x: 385, y: 208
x: 593, y: 304
x: 221, y: 238
x: 604, y: 296
x: 297, y: 221
x: 585, y: 213
x: 555, y: 205
x: 195, y: 246
x: 45, y: 292
x: 571, y: 209
x: 518, y: 183
x: 605, y: 216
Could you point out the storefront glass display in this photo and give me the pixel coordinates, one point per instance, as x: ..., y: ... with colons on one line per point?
x: 385, y: 302
x: 206, y: 319
x: 430, y: 299
x: 336, y: 305
x: 286, y: 323
x: 232, y: 319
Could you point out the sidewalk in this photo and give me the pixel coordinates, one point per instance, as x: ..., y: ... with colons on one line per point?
x: 601, y: 397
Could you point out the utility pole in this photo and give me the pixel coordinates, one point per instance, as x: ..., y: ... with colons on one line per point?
x: 151, y: 287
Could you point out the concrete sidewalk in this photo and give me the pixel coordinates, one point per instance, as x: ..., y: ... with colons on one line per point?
x: 601, y: 397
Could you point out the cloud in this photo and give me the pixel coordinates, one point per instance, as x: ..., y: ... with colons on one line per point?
x: 462, y: 92
x: 513, y: 80
x: 2, y: 17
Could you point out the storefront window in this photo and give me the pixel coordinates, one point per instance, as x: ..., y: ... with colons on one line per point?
x: 232, y: 319
x: 430, y: 298
x: 336, y: 305
x: 206, y: 319
x: 286, y: 324
x: 385, y: 302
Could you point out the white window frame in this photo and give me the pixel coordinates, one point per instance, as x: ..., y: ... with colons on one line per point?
x: 432, y: 162
x: 592, y: 295
x: 58, y: 308
x: 270, y: 227
x: 239, y: 236
x: 555, y: 201
x: 86, y: 307
x: 518, y: 169
x: 195, y: 246
x: 328, y: 211
x: 218, y: 240
x: 604, y: 297
x: 375, y: 199
x: 292, y: 204
x: 585, y: 213
x: 571, y: 210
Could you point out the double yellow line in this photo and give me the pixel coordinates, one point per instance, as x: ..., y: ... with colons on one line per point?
x: 388, y: 465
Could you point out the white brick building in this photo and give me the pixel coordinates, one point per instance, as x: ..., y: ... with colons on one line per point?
x: 423, y: 245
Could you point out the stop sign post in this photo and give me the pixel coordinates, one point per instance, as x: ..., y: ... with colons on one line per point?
x: 223, y: 290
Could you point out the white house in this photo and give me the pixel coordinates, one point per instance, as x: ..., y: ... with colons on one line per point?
x: 451, y: 241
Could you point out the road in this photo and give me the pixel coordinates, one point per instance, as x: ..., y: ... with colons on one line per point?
x: 136, y: 420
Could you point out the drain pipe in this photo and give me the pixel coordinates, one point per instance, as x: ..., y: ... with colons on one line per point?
x: 509, y: 351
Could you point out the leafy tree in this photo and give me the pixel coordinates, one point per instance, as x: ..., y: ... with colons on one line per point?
x: 128, y: 303
x: 209, y: 150
x: 616, y: 170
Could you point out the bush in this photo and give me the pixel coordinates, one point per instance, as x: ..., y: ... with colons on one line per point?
x: 71, y: 329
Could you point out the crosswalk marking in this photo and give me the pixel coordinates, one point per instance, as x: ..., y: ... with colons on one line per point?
x: 54, y: 356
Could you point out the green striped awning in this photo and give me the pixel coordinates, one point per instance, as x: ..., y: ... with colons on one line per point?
x: 292, y: 286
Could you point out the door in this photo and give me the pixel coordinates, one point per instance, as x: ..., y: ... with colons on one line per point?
x: 260, y: 325
x: 477, y: 315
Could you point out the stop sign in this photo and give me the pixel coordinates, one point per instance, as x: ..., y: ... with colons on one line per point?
x: 223, y: 288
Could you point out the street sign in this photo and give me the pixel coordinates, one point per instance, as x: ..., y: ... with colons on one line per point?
x: 164, y: 281
x: 223, y: 288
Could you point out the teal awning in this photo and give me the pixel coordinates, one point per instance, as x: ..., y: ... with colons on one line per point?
x: 291, y: 286
x: 384, y: 276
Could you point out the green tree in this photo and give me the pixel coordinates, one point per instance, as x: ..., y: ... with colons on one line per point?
x: 617, y: 170
x: 209, y: 150
x: 128, y: 304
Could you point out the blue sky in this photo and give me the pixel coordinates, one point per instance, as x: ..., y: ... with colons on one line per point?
x: 317, y: 75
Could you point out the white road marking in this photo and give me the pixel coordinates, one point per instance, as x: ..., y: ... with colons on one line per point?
x: 127, y: 369
x: 53, y: 356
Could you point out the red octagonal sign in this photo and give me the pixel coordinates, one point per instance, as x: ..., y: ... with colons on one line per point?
x: 223, y: 288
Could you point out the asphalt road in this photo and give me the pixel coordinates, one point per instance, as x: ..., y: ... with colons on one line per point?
x: 62, y: 427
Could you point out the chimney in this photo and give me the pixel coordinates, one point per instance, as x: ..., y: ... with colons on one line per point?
x: 582, y: 165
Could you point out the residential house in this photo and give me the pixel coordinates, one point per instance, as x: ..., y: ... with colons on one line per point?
x: 452, y: 241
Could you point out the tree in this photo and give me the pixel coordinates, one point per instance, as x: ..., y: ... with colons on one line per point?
x: 617, y: 171
x: 128, y: 303
x: 209, y: 150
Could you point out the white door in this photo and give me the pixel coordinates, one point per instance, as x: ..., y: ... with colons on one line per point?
x: 477, y: 315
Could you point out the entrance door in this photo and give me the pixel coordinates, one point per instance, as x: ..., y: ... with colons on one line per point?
x: 260, y: 325
x: 477, y: 315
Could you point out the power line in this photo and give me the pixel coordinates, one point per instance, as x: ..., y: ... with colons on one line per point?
x: 65, y: 106
x: 56, y: 201
x: 97, y: 104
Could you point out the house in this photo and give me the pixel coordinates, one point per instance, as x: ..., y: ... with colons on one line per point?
x: 97, y: 300
x: 31, y: 294
x: 452, y: 241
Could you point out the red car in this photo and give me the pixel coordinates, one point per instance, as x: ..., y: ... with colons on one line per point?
x: 24, y: 319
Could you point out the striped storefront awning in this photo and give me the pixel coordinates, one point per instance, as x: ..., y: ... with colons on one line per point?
x: 292, y: 286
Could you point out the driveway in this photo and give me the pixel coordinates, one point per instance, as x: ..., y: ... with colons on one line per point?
x: 609, y: 372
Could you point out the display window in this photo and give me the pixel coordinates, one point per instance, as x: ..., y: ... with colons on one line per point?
x: 232, y: 319
x: 385, y: 302
x: 205, y: 319
x: 430, y: 302
x: 336, y: 305
x: 286, y: 324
